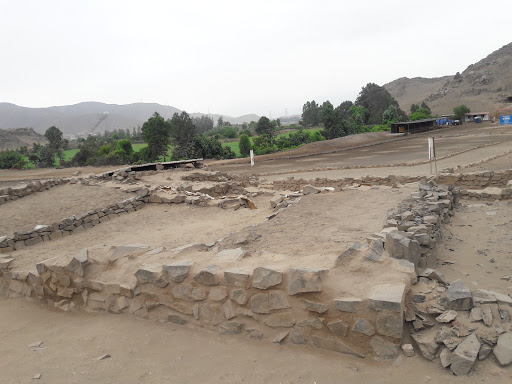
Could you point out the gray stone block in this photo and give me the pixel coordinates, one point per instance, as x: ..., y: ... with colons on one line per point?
x: 388, y: 297
x: 363, y: 326
x: 459, y: 296
x: 304, y: 280
x: 347, y: 304
x: 464, y: 356
x: 266, y: 277
x: 178, y: 271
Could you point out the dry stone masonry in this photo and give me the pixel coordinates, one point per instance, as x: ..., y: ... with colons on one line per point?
x: 15, y: 193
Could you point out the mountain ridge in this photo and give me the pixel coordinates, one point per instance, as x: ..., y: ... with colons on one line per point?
x: 92, y: 116
x: 484, y: 86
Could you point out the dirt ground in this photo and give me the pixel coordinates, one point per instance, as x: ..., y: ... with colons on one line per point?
x: 320, y: 227
x: 143, y: 351
x: 47, y: 207
x: 11, y: 177
x: 478, y: 242
x: 312, y: 233
x: 408, y: 150
x: 155, y: 225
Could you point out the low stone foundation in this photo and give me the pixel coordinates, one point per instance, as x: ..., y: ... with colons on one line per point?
x: 15, y: 193
x: 267, y: 302
x: 473, y: 180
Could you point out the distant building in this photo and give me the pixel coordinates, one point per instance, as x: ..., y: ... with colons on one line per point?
x: 415, y: 126
x: 476, y: 117
x: 445, y: 120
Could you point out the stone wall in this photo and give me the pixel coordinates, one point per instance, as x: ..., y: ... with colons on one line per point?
x: 476, y: 180
x: 292, y: 184
x: 266, y: 303
x: 15, y: 193
x: 72, y: 224
x: 413, y: 230
x: 242, y: 180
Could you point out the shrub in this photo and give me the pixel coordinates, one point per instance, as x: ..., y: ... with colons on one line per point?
x: 11, y: 159
x: 210, y: 147
x: 245, y: 145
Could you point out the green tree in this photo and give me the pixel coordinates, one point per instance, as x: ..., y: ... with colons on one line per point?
x: 156, y: 132
x: 333, y: 125
x: 55, y: 138
x: 311, y: 114
x: 203, y: 124
x: 426, y: 107
x: 210, y: 147
x: 414, y: 108
x: 183, y: 134
x: 220, y: 121
x: 46, y: 157
x: 343, y: 110
x: 391, y: 115
x: 460, y: 111
x: 376, y: 100
x: 244, y: 145
x: 54, y: 147
x: 265, y: 127
x: 124, y: 150
x: 421, y: 114
x: 88, y: 151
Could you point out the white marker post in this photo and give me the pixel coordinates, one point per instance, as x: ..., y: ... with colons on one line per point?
x: 432, y: 153
x: 252, y: 158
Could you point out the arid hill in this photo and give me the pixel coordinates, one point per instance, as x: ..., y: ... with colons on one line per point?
x: 18, y: 137
x: 90, y: 117
x: 483, y: 86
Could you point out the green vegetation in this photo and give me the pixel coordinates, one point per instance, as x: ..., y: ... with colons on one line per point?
x: 244, y: 145
x: 11, y: 159
x: 421, y: 114
x: 460, y: 111
x: 376, y: 100
x: 157, y: 133
x: 265, y: 127
x: 311, y: 114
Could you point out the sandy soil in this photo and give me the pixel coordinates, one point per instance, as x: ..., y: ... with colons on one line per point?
x: 143, y: 351
x: 168, y: 226
x: 410, y: 151
x: 10, y: 177
x: 311, y: 233
x: 422, y: 170
x: 47, y: 207
x: 320, y: 227
x: 503, y: 162
x: 478, y: 241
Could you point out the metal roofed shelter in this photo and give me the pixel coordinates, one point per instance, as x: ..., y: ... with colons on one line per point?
x: 415, y: 126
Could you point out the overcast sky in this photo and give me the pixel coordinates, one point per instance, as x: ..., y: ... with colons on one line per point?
x: 234, y: 57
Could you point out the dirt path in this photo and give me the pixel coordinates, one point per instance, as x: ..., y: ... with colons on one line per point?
x: 143, y: 351
x: 47, y: 207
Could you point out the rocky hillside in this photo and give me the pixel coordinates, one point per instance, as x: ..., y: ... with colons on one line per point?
x: 411, y: 91
x: 89, y: 117
x: 18, y: 137
x: 484, y: 86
